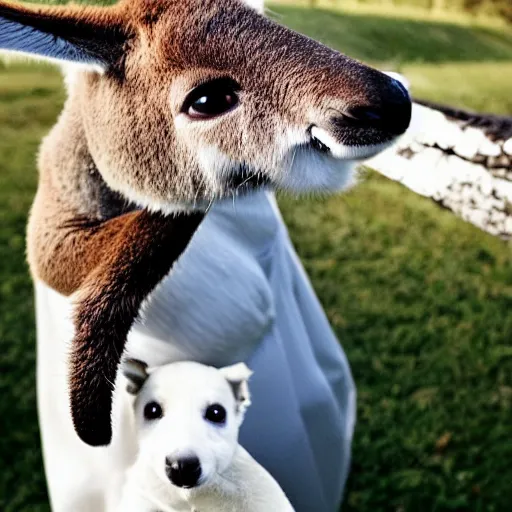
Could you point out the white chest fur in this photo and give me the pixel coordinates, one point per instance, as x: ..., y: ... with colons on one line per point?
x: 245, y: 486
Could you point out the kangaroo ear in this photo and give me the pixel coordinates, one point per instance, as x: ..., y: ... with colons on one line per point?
x: 237, y: 376
x: 136, y: 372
x: 93, y: 36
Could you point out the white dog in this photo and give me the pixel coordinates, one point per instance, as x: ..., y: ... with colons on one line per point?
x: 187, y: 418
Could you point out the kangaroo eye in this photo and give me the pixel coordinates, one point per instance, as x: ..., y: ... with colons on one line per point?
x: 211, y: 99
x: 153, y: 411
x: 215, y: 413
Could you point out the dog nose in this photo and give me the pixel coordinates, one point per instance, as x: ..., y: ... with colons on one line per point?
x: 184, y: 472
x: 389, y: 110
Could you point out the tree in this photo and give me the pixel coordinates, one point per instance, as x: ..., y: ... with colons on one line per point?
x: 460, y: 159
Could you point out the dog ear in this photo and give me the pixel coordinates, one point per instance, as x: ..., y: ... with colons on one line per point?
x: 136, y: 372
x: 238, y: 376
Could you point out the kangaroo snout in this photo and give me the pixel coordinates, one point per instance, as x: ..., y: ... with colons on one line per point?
x: 183, y: 472
x: 363, y: 112
x: 389, y: 111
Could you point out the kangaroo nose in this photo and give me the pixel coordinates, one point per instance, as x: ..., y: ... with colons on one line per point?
x: 183, y: 472
x: 390, y: 111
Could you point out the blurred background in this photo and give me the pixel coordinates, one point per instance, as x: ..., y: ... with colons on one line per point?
x: 420, y: 300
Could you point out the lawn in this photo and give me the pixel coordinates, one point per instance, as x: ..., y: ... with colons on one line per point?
x: 419, y: 299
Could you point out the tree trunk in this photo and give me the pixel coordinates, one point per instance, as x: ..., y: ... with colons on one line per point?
x: 459, y: 159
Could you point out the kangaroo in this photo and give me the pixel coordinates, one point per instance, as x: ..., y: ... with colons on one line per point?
x: 171, y: 105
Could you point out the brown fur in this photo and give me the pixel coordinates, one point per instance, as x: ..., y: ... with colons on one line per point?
x: 140, y: 256
x: 122, y: 143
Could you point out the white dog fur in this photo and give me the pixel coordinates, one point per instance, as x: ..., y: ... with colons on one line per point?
x: 178, y: 396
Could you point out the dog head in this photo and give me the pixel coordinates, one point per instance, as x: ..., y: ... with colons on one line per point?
x: 187, y: 418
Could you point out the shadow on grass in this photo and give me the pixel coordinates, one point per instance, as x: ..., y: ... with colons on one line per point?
x: 374, y: 38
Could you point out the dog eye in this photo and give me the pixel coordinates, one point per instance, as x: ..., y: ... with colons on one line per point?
x: 211, y: 99
x: 215, y: 413
x: 153, y: 411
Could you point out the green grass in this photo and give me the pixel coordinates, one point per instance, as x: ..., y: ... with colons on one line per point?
x: 400, y: 40
x: 419, y: 299
x: 420, y: 302
x: 408, y: 9
x: 29, y: 102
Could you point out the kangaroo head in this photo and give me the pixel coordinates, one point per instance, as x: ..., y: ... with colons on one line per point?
x: 184, y: 101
